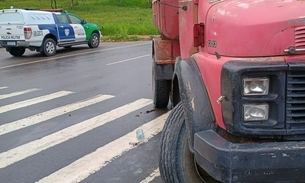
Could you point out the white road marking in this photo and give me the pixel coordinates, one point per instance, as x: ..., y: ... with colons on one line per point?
x: 152, y: 176
x: 3, y: 87
x: 21, y: 152
x: 71, y: 55
x: 33, y: 101
x: 18, y: 93
x: 128, y: 59
x: 93, y: 162
x: 38, y: 118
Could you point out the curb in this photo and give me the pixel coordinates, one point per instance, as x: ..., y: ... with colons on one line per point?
x: 128, y: 38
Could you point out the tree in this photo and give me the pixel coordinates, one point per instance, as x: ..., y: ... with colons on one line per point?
x: 40, y: 4
x: 54, y: 4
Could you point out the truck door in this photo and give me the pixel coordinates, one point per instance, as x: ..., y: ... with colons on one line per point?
x: 65, y: 30
x: 80, y: 34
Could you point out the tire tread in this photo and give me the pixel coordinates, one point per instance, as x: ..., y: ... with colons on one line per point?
x: 161, y: 95
x: 169, y: 140
x: 176, y: 161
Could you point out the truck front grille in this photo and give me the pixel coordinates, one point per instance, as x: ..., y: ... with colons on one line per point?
x: 300, y: 37
x: 295, y: 101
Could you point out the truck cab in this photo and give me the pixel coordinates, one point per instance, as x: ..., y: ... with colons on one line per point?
x: 234, y: 77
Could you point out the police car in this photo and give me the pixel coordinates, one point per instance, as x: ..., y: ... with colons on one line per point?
x: 43, y: 31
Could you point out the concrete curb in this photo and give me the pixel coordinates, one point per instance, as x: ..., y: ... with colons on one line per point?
x: 139, y: 38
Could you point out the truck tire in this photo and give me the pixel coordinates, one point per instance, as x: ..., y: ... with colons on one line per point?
x: 17, y: 52
x: 176, y: 162
x: 48, y: 47
x: 94, y: 41
x: 161, y: 90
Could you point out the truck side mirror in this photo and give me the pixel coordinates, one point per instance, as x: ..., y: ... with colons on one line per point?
x: 83, y: 22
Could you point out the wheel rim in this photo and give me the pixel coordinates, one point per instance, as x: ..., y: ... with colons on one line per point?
x: 94, y: 40
x: 50, y: 47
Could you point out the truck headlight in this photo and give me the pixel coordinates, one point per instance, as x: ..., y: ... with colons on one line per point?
x: 256, y: 112
x: 255, y: 86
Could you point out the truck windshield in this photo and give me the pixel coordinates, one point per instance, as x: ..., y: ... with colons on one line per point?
x: 10, y: 18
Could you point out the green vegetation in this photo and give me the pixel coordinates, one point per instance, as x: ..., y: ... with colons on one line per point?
x: 119, y: 19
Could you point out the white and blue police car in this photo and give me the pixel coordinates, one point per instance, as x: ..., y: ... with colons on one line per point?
x: 43, y: 31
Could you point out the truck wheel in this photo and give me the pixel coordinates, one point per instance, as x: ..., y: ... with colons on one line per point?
x: 17, y: 52
x: 48, y: 47
x: 176, y: 162
x: 94, y: 41
x: 160, y: 89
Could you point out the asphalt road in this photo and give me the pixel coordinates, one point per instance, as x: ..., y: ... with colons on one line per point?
x: 73, y: 117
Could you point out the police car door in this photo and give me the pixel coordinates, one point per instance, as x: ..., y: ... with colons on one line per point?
x: 65, y: 30
x: 80, y: 34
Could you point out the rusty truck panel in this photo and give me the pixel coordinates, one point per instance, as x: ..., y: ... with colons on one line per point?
x: 165, y: 17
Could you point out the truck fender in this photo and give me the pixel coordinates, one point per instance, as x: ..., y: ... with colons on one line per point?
x: 194, y: 97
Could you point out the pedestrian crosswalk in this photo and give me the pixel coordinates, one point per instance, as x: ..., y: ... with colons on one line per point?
x: 83, y: 167
x: 41, y: 117
x: 33, y: 101
x: 16, y: 93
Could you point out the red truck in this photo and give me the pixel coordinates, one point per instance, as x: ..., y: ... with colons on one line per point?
x: 234, y: 73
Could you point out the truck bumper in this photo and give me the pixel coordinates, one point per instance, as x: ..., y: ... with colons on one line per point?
x: 19, y: 43
x: 271, y: 162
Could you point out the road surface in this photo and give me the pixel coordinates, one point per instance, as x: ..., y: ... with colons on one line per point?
x: 73, y: 117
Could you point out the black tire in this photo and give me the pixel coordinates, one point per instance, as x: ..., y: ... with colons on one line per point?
x: 94, y: 41
x: 48, y: 47
x: 160, y: 89
x: 17, y: 52
x: 176, y: 162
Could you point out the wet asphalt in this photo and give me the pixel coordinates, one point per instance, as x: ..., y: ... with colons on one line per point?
x: 121, y: 69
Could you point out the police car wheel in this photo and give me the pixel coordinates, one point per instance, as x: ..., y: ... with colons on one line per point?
x: 48, y: 47
x: 17, y: 52
x: 94, y: 40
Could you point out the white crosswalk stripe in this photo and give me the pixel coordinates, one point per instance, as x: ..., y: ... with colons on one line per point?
x: 33, y: 101
x: 90, y: 163
x: 41, y: 117
x: 3, y: 87
x: 34, y: 147
x: 152, y: 176
x: 83, y: 167
x: 4, y: 96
